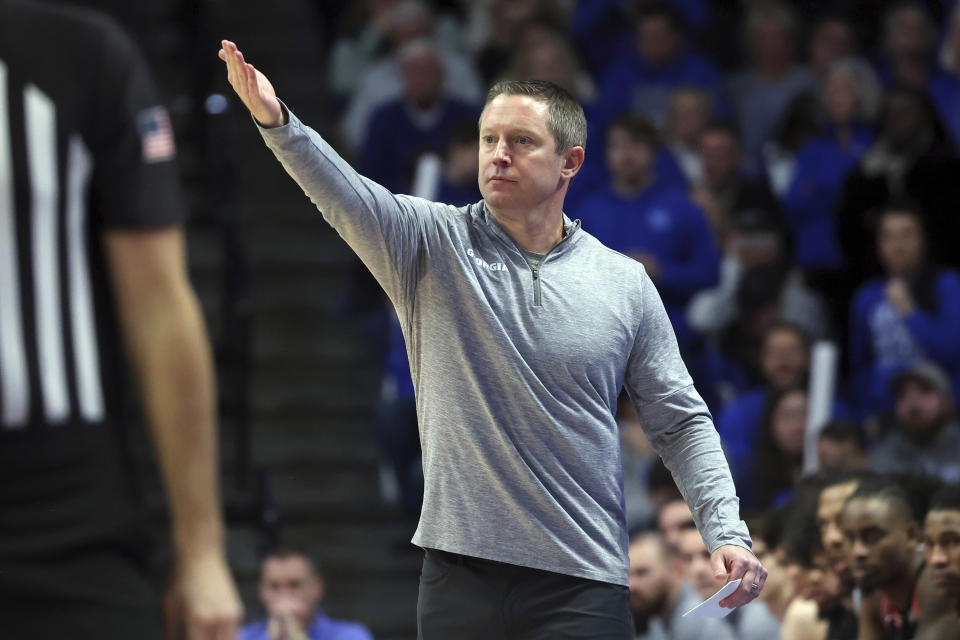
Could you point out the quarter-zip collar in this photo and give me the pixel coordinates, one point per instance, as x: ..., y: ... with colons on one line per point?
x: 493, y: 226
x: 571, y: 227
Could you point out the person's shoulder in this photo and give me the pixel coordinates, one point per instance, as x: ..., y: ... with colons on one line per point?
x: 749, y: 399
x: 599, y: 197
x: 625, y: 67
x: 948, y: 277
x: 454, y: 215
x: 388, y: 112
x: 675, y: 198
x: 801, y: 619
x: 618, y: 264
x: 868, y: 291
x: 813, y: 150
x: 802, y: 75
x: 888, y: 452
x: 691, y: 61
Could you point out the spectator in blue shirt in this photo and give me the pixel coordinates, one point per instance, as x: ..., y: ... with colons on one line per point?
x: 910, y: 313
x: 833, y: 37
x: 721, y: 157
x: 944, y: 86
x: 851, y: 100
x: 291, y: 588
x: 784, y: 363
x: 660, y: 64
x: 419, y: 122
x: 909, y: 36
x: 910, y: 58
x: 763, y: 93
x: 690, y: 112
x: 656, y: 224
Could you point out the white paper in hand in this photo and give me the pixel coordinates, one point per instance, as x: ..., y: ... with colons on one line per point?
x: 710, y: 608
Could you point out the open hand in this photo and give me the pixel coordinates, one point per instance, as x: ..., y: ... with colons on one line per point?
x: 254, y: 89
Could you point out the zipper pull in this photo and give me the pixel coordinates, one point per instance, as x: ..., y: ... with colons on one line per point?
x: 535, y: 270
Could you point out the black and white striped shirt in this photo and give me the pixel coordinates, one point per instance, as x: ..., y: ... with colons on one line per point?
x: 84, y: 149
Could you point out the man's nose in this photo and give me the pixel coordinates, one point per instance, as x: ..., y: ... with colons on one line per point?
x: 859, y: 550
x: 832, y: 537
x: 937, y: 557
x: 501, y: 154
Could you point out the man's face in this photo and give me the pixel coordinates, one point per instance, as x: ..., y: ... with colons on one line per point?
x: 673, y: 518
x: 909, y: 33
x: 839, y: 455
x: 784, y: 359
x: 519, y: 166
x: 822, y: 585
x: 720, y: 155
x: 629, y: 159
x: 290, y: 586
x: 840, y: 98
x: 696, y: 558
x: 657, y: 41
x: 829, y: 512
x: 423, y: 78
x: 648, y: 577
x: 771, y: 42
x: 688, y: 116
x: 941, y: 533
x: 955, y: 35
x: 831, y: 41
x: 921, y: 409
x: 900, y: 243
x: 881, y: 542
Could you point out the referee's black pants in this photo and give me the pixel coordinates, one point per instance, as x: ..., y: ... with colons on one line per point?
x: 468, y: 598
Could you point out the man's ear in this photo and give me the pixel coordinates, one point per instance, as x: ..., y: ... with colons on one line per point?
x: 913, y: 533
x: 572, y: 161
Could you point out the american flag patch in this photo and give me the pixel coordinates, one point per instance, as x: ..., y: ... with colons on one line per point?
x: 156, y: 135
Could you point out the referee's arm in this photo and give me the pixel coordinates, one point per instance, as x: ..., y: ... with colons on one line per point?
x: 168, y: 347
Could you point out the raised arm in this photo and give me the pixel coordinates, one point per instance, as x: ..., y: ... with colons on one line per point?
x: 168, y: 348
x: 386, y: 231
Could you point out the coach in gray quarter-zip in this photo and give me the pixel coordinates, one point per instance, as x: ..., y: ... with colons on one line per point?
x: 520, y: 342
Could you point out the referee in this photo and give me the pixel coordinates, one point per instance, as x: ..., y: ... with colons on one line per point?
x: 521, y: 330
x: 92, y: 254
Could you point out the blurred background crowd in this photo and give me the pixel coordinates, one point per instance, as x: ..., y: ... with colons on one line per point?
x: 787, y: 172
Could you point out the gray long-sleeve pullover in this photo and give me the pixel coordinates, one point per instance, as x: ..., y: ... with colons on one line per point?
x: 517, y: 372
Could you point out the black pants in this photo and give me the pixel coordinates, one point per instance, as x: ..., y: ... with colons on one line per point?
x: 466, y: 598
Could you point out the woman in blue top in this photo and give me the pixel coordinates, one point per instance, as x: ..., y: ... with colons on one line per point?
x: 908, y: 314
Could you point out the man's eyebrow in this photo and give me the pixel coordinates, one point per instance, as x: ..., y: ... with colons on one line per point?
x: 514, y: 130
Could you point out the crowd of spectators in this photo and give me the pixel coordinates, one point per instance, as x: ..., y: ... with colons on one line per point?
x: 788, y: 173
